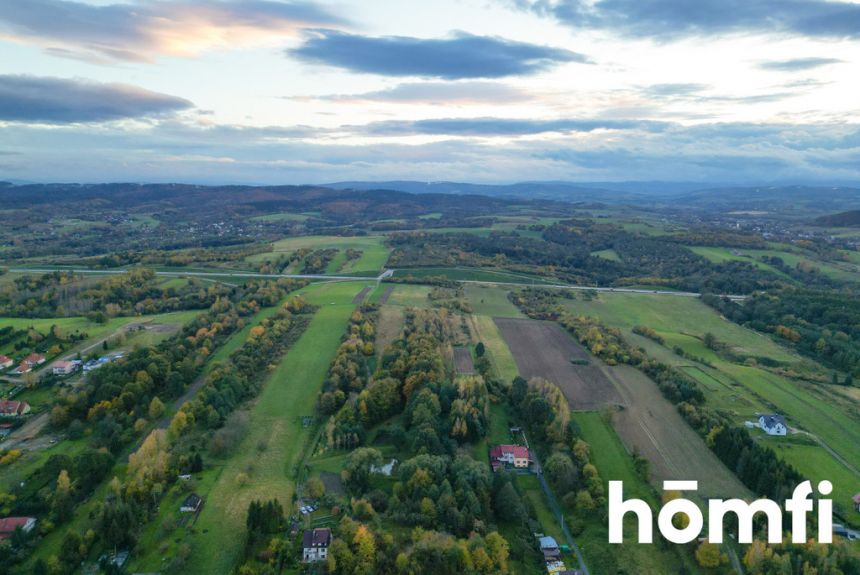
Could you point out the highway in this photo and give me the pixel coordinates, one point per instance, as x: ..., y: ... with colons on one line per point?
x: 384, y: 275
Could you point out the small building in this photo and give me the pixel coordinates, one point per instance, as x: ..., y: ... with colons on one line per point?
x: 34, y: 359
x: 13, y: 408
x: 549, y: 548
x: 856, y: 500
x: 516, y: 456
x: 22, y: 368
x: 6, y: 362
x: 8, y: 525
x: 773, y: 424
x: 191, y: 504
x: 64, y: 368
x: 315, y: 544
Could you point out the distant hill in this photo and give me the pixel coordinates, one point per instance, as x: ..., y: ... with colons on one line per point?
x: 849, y: 219
x: 796, y: 201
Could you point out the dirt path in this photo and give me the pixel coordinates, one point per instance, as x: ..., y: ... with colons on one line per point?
x: 25, y: 437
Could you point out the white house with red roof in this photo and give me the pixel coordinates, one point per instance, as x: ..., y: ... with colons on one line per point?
x: 8, y: 525
x: 13, y: 408
x: 64, y: 367
x: 6, y: 362
x: 504, y: 456
x: 34, y: 359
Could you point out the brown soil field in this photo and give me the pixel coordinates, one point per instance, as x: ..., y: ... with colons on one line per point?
x: 383, y: 299
x: 463, y: 361
x: 544, y: 349
x: 645, y: 421
x: 650, y: 424
x: 359, y: 297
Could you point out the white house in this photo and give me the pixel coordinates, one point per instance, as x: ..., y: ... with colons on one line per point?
x: 315, y: 544
x: 64, y: 368
x: 773, y: 424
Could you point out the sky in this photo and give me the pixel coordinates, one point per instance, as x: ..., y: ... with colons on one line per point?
x: 488, y: 91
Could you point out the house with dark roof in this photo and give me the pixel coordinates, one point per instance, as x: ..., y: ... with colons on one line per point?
x: 773, y: 424
x: 504, y: 456
x: 8, y: 525
x: 315, y: 544
x: 191, y: 504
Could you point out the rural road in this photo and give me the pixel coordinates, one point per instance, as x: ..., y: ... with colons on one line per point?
x: 384, y: 275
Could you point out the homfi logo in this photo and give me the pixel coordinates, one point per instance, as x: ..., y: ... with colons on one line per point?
x: 799, y: 505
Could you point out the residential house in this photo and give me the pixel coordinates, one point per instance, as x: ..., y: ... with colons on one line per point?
x: 8, y: 525
x: 191, y: 504
x: 23, y: 368
x: 549, y: 548
x: 64, y: 367
x: 13, y: 408
x: 856, y: 500
x: 773, y: 424
x: 503, y: 456
x: 6, y: 362
x: 315, y: 544
x: 34, y: 359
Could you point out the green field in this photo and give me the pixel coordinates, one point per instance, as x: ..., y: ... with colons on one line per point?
x: 290, y: 393
x: 373, y: 257
x: 472, y: 274
x: 610, y: 255
x: 491, y: 301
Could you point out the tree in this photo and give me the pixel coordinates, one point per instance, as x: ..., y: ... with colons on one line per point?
x: 508, y: 505
x: 314, y: 488
x: 561, y: 471
x: 356, y: 472
x: 708, y: 555
x: 480, y: 349
x: 62, y: 501
x: 156, y: 408
x: 71, y: 550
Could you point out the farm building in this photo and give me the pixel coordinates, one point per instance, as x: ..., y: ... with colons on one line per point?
x: 315, y: 544
x: 516, y: 456
x: 5, y: 362
x: 34, y: 359
x: 549, y: 548
x: 13, y: 408
x: 191, y: 504
x: 773, y: 424
x: 856, y: 499
x: 8, y: 525
x: 64, y: 367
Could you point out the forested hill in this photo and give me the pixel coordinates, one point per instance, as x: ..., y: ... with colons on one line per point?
x: 844, y: 219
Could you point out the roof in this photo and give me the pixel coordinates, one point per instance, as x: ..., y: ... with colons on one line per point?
x: 9, y: 524
x: 319, y: 537
x: 63, y: 364
x: 856, y: 498
x: 192, y: 500
x: 35, y: 357
x: 773, y: 420
x: 12, y: 407
x: 518, y: 451
x: 4, y: 359
x: 548, y: 542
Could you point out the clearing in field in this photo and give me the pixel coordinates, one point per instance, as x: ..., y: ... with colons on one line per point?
x: 374, y: 253
x: 463, y: 364
x: 544, y: 349
x: 486, y: 331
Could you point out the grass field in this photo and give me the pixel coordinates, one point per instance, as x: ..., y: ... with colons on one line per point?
x: 610, y: 255
x: 372, y: 260
x: 409, y: 295
x: 472, y: 274
x: 290, y: 392
x: 491, y: 301
x: 743, y: 391
x: 498, y: 350
x: 613, y: 463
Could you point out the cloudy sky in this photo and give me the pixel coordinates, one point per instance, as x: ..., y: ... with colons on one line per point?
x: 269, y: 91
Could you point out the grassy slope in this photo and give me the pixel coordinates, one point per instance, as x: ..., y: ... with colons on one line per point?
x: 373, y: 257
x: 290, y: 393
x: 742, y: 391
